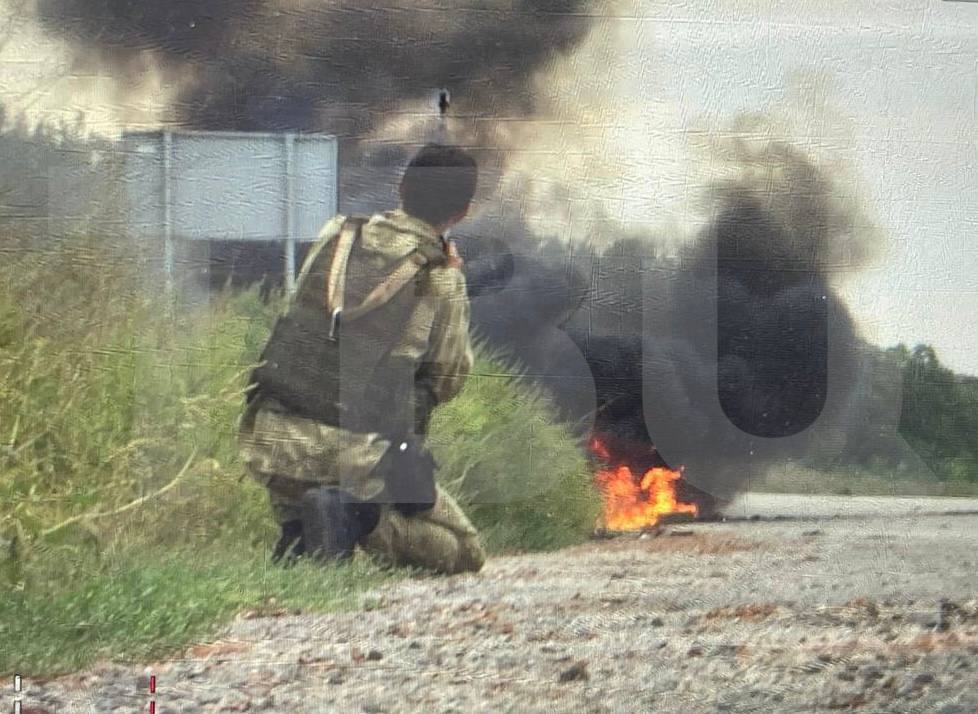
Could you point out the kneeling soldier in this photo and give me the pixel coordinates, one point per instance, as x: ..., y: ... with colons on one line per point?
x: 375, y: 337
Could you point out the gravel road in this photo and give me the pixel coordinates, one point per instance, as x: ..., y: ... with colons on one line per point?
x: 814, y: 612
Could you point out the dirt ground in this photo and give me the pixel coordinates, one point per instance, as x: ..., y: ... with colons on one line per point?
x: 870, y: 612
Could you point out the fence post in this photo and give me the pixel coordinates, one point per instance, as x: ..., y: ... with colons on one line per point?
x: 290, y: 214
x: 167, y: 212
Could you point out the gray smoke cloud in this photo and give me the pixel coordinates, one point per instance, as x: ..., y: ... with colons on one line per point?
x: 331, y: 66
x: 727, y: 355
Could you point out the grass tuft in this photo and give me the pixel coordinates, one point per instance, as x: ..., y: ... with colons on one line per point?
x: 137, y: 608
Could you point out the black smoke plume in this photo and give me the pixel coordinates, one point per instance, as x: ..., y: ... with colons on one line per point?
x: 724, y: 358
x: 341, y: 67
x: 326, y: 66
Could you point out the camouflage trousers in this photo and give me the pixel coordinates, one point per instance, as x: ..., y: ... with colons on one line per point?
x: 289, y: 455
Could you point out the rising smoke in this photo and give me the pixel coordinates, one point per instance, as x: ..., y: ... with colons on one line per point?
x: 313, y: 65
x: 729, y: 354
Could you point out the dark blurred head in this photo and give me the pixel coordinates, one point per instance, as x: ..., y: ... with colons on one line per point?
x: 438, y: 184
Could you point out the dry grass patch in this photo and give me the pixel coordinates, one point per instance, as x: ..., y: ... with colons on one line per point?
x: 698, y: 543
x: 701, y: 544
x: 752, y: 612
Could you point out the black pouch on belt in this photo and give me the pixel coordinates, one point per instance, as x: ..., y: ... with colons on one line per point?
x: 408, y: 471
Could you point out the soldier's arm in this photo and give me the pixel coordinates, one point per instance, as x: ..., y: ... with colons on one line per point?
x: 448, y: 360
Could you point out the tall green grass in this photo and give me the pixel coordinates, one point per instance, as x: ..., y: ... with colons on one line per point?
x: 104, y: 398
x: 127, y: 526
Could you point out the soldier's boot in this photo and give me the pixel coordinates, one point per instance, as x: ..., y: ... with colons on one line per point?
x: 333, y: 522
x: 291, y: 541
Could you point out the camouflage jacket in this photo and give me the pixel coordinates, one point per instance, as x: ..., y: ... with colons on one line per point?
x: 426, y: 326
x: 407, y: 356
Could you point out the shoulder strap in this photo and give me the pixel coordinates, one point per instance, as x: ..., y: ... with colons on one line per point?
x: 405, y: 271
x: 336, y: 273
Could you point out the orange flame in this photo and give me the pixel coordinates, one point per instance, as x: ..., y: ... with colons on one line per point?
x: 631, y: 503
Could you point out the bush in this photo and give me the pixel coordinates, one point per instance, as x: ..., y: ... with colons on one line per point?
x: 520, y: 476
x: 103, y: 400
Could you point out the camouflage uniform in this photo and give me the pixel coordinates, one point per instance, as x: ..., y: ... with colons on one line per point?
x: 425, y: 327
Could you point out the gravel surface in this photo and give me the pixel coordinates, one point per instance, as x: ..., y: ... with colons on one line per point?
x: 787, y: 505
x: 871, y: 613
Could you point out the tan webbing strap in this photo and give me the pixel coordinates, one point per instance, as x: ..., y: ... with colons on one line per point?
x: 404, y: 273
x: 336, y: 276
x: 408, y: 267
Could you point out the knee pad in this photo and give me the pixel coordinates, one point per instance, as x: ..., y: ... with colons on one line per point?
x: 333, y: 522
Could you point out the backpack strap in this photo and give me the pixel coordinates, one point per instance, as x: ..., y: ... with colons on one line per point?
x: 404, y: 272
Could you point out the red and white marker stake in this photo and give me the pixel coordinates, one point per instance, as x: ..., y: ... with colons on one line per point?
x: 152, y: 690
x: 18, y: 687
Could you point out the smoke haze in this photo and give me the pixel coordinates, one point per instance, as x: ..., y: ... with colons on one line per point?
x: 268, y: 64
x: 634, y: 329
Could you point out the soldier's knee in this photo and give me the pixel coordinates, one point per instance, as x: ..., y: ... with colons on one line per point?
x: 471, y: 556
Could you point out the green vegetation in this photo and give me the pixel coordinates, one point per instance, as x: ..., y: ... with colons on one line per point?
x: 127, y: 526
x: 141, y: 605
x: 940, y: 414
x: 518, y: 475
x: 916, y: 433
x: 857, y: 481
